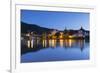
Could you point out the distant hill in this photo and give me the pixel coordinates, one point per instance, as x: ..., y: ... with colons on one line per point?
x: 25, y: 27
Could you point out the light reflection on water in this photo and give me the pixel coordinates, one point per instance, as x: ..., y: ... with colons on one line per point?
x: 56, y: 50
x: 54, y: 43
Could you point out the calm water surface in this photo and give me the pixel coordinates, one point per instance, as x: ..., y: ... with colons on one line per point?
x: 55, y: 50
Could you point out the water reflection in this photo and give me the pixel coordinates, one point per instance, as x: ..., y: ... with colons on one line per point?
x: 81, y: 43
x: 61, y: 42
x: 45, y: 43
x: 28, y: 43
x: 54, y: 49
x: 52, y: 43
x: 70, y: 42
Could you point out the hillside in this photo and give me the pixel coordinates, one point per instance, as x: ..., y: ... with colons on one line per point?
x: 33, y: 27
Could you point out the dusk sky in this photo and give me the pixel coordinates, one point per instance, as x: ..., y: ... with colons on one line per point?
x: 56, y: 20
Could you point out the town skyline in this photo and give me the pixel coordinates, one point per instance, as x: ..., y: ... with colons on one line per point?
x: 65, y: 28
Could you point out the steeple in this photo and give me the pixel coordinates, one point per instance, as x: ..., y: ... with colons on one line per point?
x: 81, y: 28
x: 65, y: 29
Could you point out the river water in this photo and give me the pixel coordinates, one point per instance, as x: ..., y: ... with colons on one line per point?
x: 56, y: 50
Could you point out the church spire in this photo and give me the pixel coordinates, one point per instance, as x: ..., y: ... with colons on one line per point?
x: 81, y: 28
x: 65, y: 28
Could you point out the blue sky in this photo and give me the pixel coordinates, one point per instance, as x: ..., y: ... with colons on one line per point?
x: 56, y: 20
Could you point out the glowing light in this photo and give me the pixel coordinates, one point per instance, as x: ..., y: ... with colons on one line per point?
x: 70, y: 36
x: 61, y: 35
x: 44, y: 43
x: 71, y: 42
x: 61, y: 42
x: 31, y: 43
x: 50, y: 43
x: 54, y: 37
x: 53, y: 43
x: 28, y: 34
x: 28, y: 44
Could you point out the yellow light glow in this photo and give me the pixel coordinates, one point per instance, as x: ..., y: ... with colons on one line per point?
x: 54, y: 37
x: 53, y: 43
x: 44, y: 43
x: 70, y: 36
x: 50, y: 42
x: 61, y: 42
x: 70, y: 42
